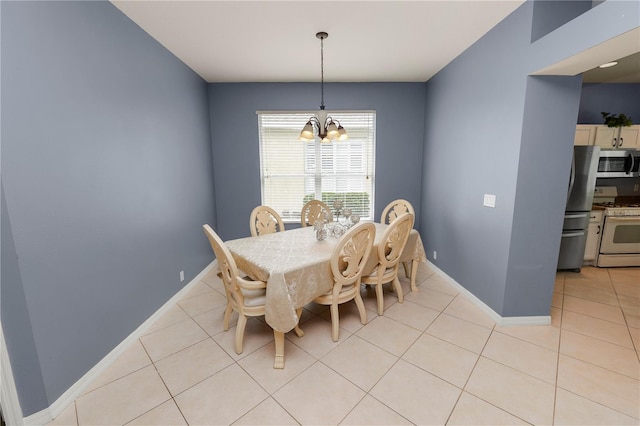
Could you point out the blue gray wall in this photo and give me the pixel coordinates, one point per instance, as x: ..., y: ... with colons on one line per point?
x: 234, y: 127
x: 110, y: 145
x: 492, y: 129
x: 107, y: 178
x: 18, y: 333
x: 543, y: 165
x: 549, y: 15
x: 618, y: 98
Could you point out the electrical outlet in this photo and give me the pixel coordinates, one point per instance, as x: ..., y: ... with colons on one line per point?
x: 636, y: 187
x: 489, y: 200
x: 181, y: 276
x: 435, y: 255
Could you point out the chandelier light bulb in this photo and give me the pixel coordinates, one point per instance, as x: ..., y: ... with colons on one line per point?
x: 307, y: 132
x: 332, y: 131
x: 343, y: 134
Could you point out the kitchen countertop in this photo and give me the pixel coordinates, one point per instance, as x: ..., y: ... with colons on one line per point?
x: 628, y: 199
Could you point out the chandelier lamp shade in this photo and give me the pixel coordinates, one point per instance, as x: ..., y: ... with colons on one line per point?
x: 327, y: 128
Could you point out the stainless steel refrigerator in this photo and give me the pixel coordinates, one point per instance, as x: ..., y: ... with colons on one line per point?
x: 582, y: 183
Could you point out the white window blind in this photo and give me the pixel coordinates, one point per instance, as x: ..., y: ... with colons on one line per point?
x: 293, y: 171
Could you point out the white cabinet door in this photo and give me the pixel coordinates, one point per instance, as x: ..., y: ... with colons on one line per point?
x: 593, y: 235
x: 608, y: 137
x: 585, y: 134
x: 591, y: 249
x: 630, y: 137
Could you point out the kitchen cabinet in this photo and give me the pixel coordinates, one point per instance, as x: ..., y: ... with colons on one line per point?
x: 607, y: 137
x: 593, y: 236
x: 613, y: 137
x: 585, y: 134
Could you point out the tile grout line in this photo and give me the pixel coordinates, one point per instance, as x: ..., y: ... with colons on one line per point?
x: 626, y: 321
x: 422, y: 332
x: 555, y: 387
x: 595, y: 365
x: 471, y: 373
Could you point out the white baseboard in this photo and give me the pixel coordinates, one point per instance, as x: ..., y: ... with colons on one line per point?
x: 500, y: 320
x: 43, y: 417
x: 11, y: 410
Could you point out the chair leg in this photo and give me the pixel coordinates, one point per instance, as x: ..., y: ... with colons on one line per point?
x: 242, y: 322
x: 278, y: 362
x: 297, y: 328
x: 398, y: 288
x: 414, y: 272
x: 361, y: 309
x: 406, y: 269
x: 335, y: 322
x: 227, y: 316
x: 380, y: 297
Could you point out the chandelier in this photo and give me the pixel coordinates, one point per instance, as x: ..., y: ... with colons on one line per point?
x: 328, y: 129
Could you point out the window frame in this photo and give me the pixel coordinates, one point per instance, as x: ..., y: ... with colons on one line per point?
x: 366, y: 159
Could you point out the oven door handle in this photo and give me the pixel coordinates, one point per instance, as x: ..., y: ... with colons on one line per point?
x: 572, y: 234
x: 622, y: 219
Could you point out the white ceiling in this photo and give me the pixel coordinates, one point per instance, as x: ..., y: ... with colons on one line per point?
x: 274, y: 41
x: 369, y: 41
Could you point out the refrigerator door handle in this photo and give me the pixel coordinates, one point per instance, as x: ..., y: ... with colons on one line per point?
x: 575, y: 216
x: 572, y: 178
x: 572, y: 234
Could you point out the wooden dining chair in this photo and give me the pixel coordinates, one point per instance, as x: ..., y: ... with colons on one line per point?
x: 393, y: 210
x: 244, y: 296
x: 314, y: 211
x: 347, y: 263
x: 265, y: 220
x: 389, y: 250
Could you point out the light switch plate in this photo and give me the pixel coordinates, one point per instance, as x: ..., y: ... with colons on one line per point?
x: 489, y: 200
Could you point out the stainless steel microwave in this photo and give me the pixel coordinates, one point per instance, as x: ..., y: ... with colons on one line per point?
x: 618, y: 163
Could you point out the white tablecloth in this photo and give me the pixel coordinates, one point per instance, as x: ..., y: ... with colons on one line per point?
x: 296, y: 268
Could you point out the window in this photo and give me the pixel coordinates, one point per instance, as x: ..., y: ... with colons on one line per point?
x: 294, y: 172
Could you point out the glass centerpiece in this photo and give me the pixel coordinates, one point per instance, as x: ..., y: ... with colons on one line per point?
x: 320, y: 229
x: 339, y: 226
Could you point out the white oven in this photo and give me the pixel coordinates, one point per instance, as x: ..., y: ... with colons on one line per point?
x: 620, y: 242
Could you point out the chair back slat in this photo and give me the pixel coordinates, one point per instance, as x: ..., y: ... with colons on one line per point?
x: 395, y: 209
x: 394, y: 240
x: 314, y: 211
x: 351, y: 254
x: 265, y: 220
x: 227, y: 265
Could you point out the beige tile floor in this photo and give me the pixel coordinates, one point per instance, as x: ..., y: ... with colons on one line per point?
x: 435, y: 359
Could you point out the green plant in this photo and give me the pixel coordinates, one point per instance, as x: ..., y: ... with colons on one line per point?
x: 358, y: 202
x: 614, y: 120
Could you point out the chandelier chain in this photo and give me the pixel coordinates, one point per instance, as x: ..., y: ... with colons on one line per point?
x: 321, y: 72
x: 328, y: 129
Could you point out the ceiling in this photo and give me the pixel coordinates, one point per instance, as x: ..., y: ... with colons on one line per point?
x: 627, y: 71
x: 369, y: 41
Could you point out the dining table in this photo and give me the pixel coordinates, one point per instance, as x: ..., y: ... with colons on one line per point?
x: 296, y: 267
